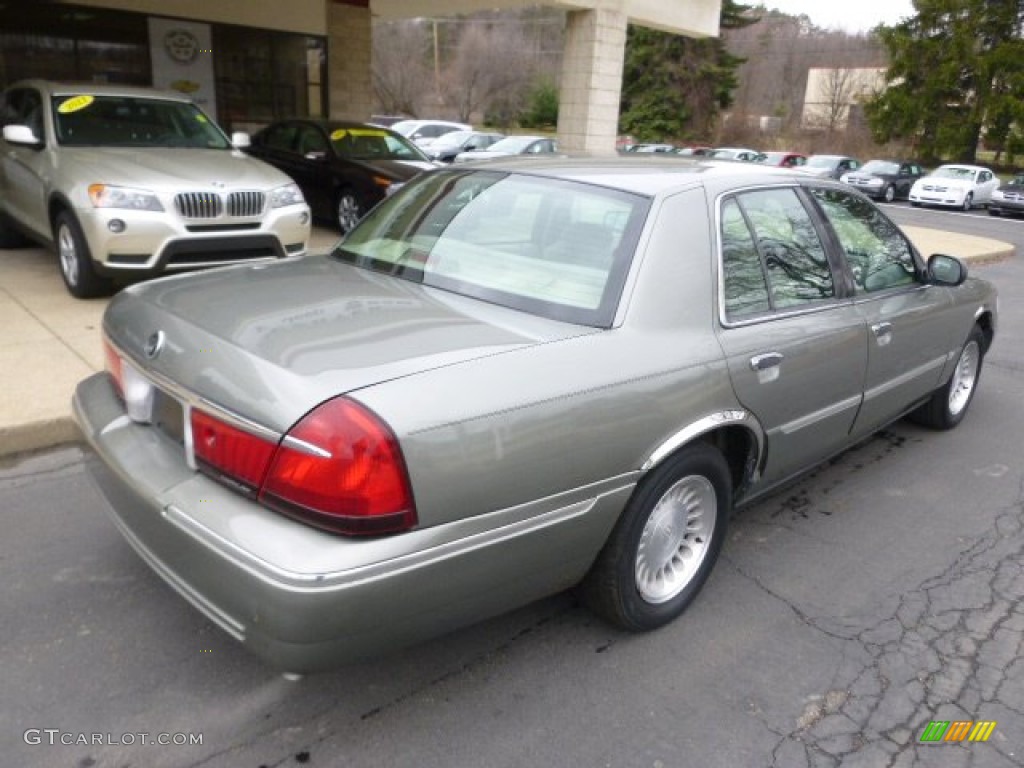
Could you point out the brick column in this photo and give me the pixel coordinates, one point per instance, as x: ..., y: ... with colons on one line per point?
x: 348, y: 61
x: 588, y: 111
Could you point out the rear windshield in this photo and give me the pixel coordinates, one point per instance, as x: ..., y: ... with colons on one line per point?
x: 374, y: 144
x: 86, y: 120
x: 554, y: 248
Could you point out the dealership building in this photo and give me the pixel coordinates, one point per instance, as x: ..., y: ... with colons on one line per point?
x: 248, y: 62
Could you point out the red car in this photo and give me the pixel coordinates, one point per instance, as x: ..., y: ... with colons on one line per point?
x: 784, y: 159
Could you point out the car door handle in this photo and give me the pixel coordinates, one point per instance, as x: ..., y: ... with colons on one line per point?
x: 766, y: 366
x: 766, y: 361
x: 883, y: 333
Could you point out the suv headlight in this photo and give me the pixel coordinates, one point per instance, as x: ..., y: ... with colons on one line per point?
x: 289, y: 194
x: 107, y: 196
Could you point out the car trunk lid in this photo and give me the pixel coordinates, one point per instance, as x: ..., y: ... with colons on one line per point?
x: 271, y: 341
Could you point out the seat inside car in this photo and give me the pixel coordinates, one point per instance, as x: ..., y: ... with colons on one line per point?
x: 582, y: 243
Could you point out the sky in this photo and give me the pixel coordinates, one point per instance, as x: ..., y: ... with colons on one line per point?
x: 852, y: 15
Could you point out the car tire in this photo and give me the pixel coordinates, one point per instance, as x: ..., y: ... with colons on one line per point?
x: 889, y: 195
x: 994, y: 212
x: 665, y: 544
x: 948, y: 404
x: 347, y: 210
x: 75, y: 260
x: 11, y: 237
x: 968, y: 202
x: 914, y: 204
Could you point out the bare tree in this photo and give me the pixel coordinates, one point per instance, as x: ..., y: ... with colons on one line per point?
x: 402, y: 76
x: 836, y: 89
x: 488, y: 64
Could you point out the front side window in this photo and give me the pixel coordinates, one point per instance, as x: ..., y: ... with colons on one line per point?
x: 554, y: 248
x: 280, y: 137
x: 89, y: 120
x: 879, y: 256
x: 797, y: 269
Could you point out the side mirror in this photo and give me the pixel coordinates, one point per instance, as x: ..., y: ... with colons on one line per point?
x: 241, y: 140
x: 21, y: 135
x: 946, y: 270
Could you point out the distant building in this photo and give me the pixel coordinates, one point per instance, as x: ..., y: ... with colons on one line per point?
x: 833, y: 98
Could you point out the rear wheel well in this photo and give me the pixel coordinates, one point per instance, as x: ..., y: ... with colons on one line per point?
x: 739, y: 448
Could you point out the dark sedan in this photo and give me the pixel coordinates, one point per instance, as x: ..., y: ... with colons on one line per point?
x: 444, y: 148
x: 343, y: 168
x: 885, y: 179
x: 1008, y: 200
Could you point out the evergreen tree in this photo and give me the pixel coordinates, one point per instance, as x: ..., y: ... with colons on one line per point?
x: 956, y: 76
x: 675, y: 86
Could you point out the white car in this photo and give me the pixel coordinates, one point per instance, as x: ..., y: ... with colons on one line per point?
x: 735, y: 153
x: 512, y: 145
x: 424, y: 132
x: 956, y: 186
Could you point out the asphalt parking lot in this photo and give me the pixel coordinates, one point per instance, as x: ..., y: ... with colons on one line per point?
x: 882, y: 592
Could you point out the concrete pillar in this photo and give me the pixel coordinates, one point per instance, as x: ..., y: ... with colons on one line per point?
x: 588, y: 109
x: 349, y: 48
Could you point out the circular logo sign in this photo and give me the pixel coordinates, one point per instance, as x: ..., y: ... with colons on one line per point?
x: 181, y: 45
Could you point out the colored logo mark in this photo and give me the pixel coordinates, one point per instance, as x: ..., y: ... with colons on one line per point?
x: 958, y: 730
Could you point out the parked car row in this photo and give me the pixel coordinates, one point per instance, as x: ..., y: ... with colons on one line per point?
x: 131, y: 182
x: 951, y: 186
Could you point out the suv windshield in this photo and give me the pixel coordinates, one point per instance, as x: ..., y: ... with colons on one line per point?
x: 87, y: 120
x: 554, y: 248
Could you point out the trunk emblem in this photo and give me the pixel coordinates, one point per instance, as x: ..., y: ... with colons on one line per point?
x: 154, y: 344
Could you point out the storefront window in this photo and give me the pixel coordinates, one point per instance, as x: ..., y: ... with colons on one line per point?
x: 264, y: 76
x: 261, y: 75
x: 72, y: 43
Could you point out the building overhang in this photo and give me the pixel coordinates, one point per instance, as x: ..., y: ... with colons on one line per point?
x: 694, y: 18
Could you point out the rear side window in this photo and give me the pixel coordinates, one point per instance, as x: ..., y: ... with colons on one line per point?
x: 746, y: 292
x: 791, y: 257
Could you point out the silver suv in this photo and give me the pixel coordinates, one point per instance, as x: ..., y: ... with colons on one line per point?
x: 131, y: 182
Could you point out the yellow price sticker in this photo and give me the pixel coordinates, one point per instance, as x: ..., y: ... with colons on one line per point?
x: 75, y: 103
x: 201, y: 119
x: 339, y: 134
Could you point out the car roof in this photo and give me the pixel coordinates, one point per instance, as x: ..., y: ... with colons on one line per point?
x: 966, y: 166
x: 417, y: 121
x: 330, y: 125
x: 69, y: 88
x: 650, y: 174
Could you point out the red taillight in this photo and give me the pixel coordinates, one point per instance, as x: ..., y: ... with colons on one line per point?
x: 233, y: 454
x: 341, y: 468
x: 114, y: 367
